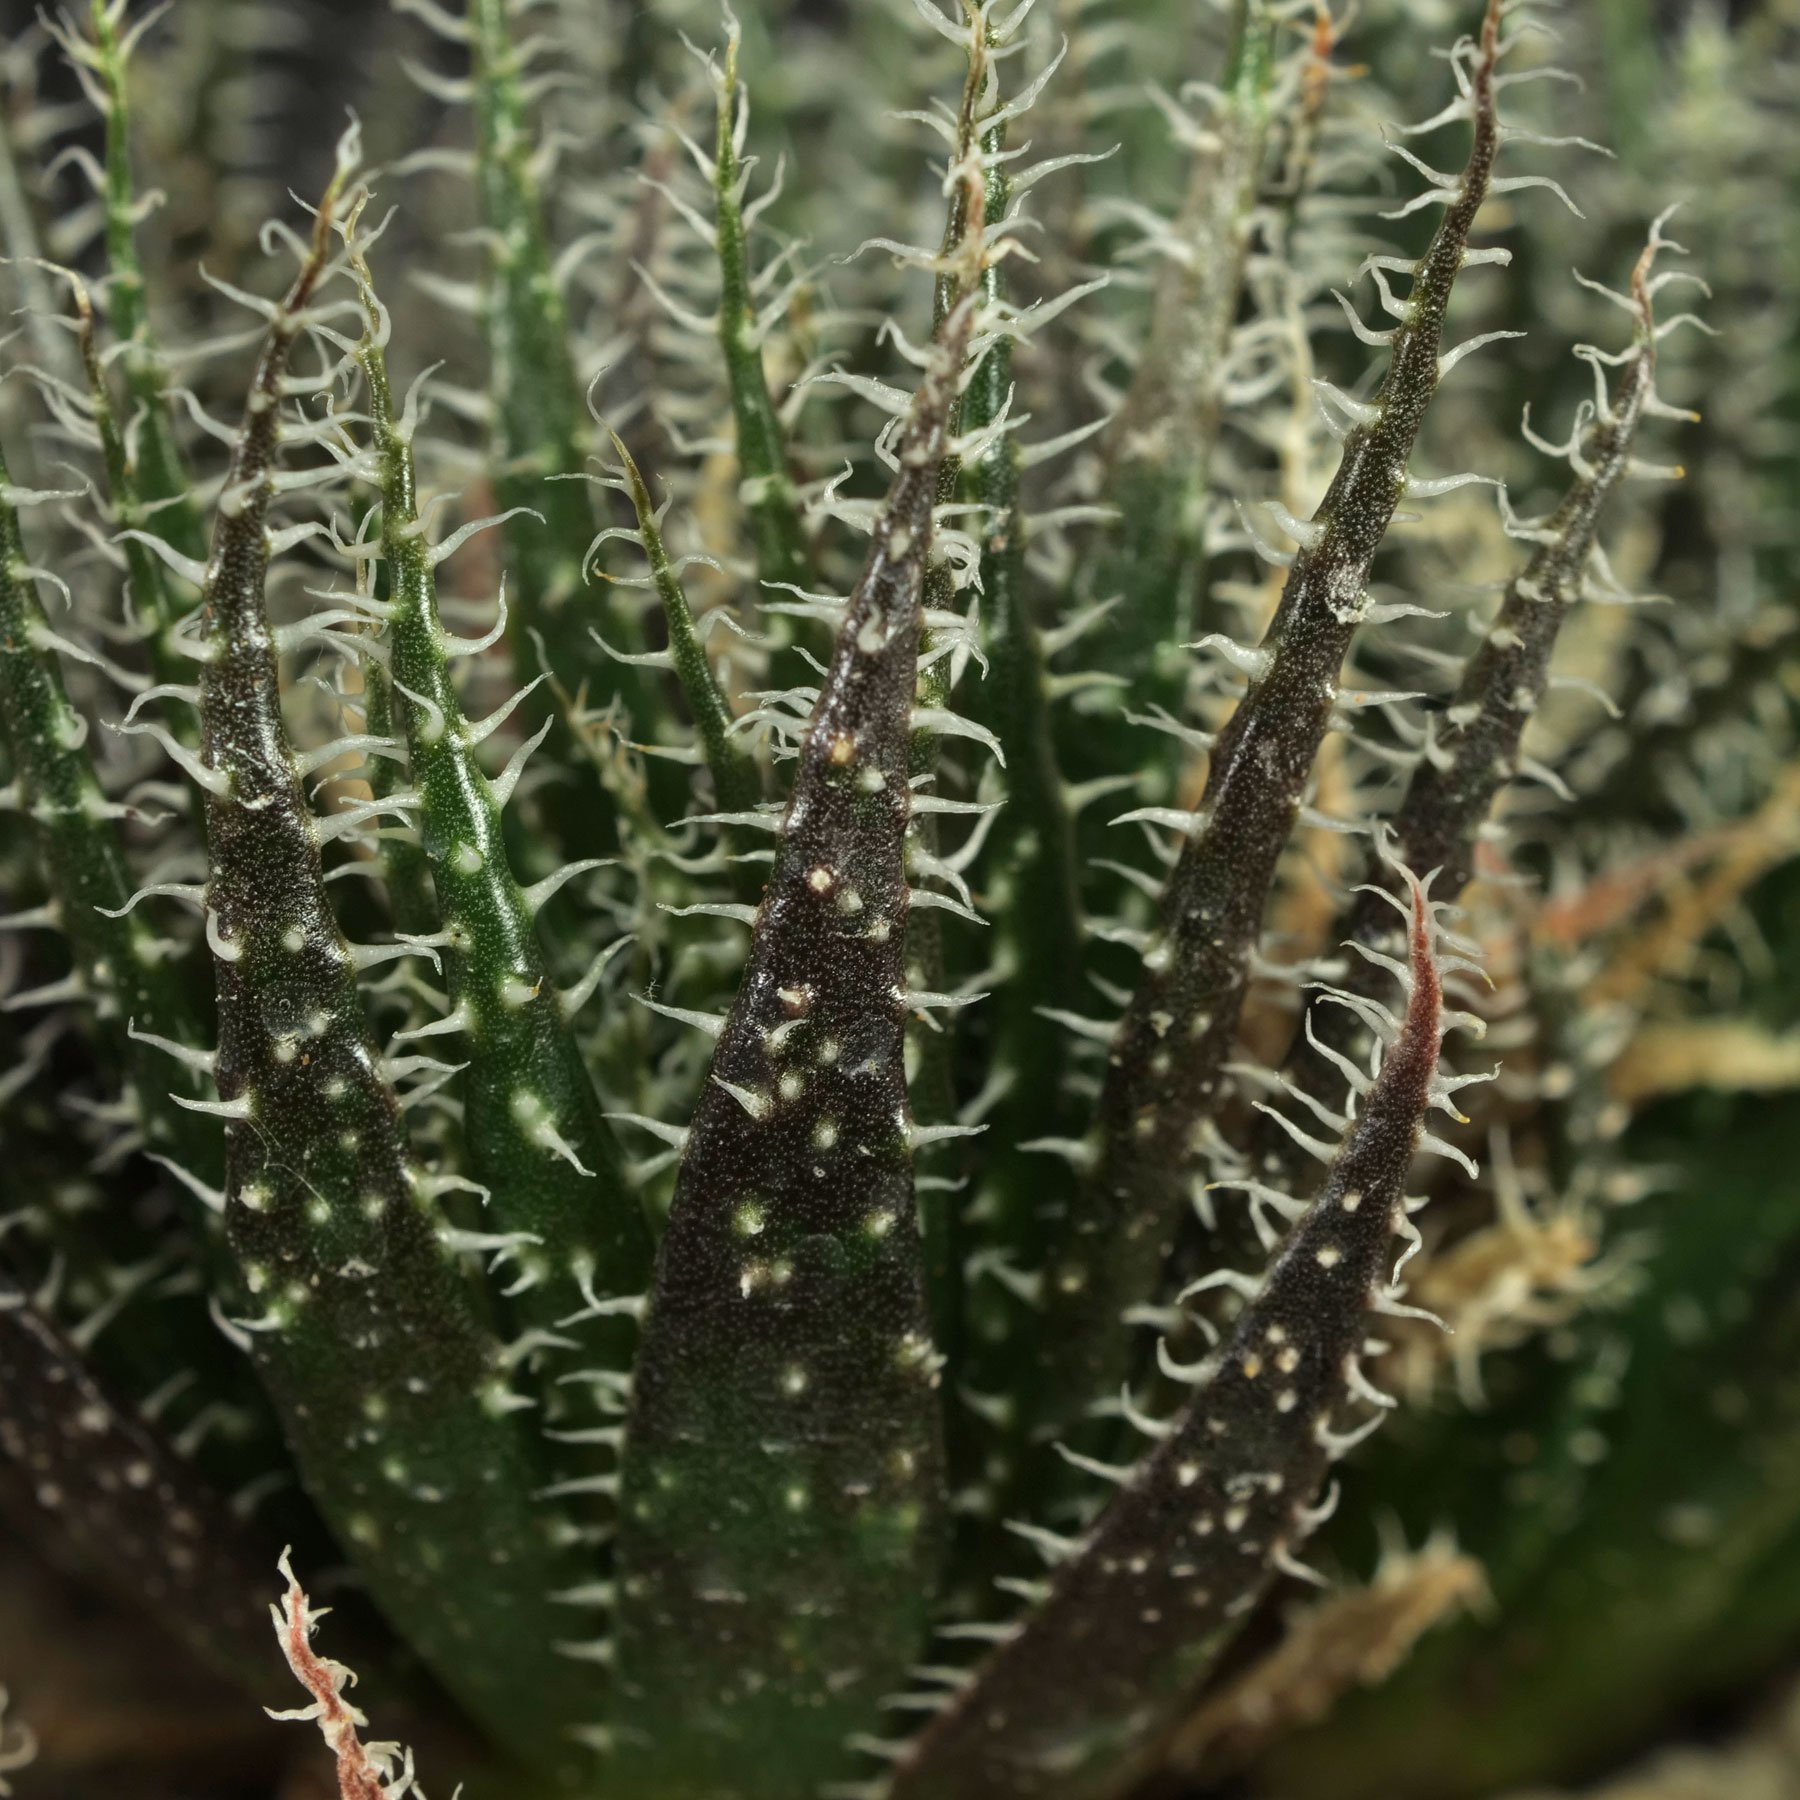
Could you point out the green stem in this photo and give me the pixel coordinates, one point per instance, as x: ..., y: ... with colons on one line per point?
x: 737, y: 786
x: 540, y: 419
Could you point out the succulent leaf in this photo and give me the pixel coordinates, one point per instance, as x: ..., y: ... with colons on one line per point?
x: 1477, y: 752
x: 112, y: 1499
x: 123, y: 966
x: 405, y: 869
x: 1165, y: 1076
x: 781, y: 1511
x: 962, y: 265
x: 737, y: 786
x: 782, y: 554
x: 1032, y: 893
x: 935, y: 1400
x: 536, y: 1137
x: 540, y: 427
x: 392, y: 1389
x: 1643, y: 1521
x: 1072, y: 1700
x: 159, y: 477
x: 1162, y: 441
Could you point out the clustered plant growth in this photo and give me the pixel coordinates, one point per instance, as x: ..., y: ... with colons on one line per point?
x: 815, y: 1218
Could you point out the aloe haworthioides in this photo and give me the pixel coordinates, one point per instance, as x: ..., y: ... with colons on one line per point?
x: 159, y: 470
x: 1472, y: 757
x: 767, y: 481
x: 1135, y: 1611
x: 1032, y: 894
x: 780, y: 1517
x: 540, y: 428
x: 124, y: 967
x: 104, y: 1489
x: 394, y: 1394
x: 532, y: 1121
x: 127, y: 975
x: 1624, y: 1499
x: 727, y: 1554
x: 737, y: 787
x: 1161, y: 443
x: 1165, y: 1077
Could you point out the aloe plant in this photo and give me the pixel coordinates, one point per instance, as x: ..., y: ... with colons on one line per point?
x: 796, y: 1085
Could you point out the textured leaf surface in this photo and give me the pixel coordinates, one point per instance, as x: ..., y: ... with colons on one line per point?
x: 1165, y: 1075
x: 391, y: 1388
x: 768, y: 484
x: 780, y: 1512
x: 122, y: 965
x: 1476, y: 753
x: 1070, y: 1704
x: 1635, y: 1505
x: 1161, y: 445
x: 106, y: 1495
x: 1032, y: 895
x: 531, y: 1119
x: 737, y: 786
x: 540, y: 424
x: 159, y: 471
